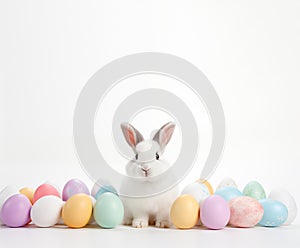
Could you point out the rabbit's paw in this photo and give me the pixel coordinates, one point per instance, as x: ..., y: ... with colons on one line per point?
x: 127, y: 221
x: 163, y: 223
x: 140, y: 223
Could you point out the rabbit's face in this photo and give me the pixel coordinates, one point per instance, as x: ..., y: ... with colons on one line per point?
x: 147, y: 162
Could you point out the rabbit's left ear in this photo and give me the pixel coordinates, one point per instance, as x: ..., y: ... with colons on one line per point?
x: 164, y: 134
x: 132, y: 135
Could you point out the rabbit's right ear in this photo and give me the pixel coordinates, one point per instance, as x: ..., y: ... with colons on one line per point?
x: 132, y: 136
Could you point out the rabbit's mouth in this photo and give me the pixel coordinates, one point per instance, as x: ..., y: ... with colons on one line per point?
x: 146, y: 172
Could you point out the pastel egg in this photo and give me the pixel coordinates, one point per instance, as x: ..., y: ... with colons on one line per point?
x: 73, y: 187
x: 185, y: 212
x: 15, y: 211
x: 228, y: 193
x: 77, y: 210
x: 28, y: 192
x: 7, y: 192
x: 215, y: 212
x: 227, y: 182
x: 275, y: 213
x: 105, y: 189
x: 255, y: 190
x: 46, y: 211
x: 207, y: 184
x: 287, y: 199
x: 198, y: 190
x: 109, y: 210
x: 245, y: 211
x: 43, y: 190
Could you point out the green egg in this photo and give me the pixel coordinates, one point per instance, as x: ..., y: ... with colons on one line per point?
x: 255, y: 190
x: 108, y: 210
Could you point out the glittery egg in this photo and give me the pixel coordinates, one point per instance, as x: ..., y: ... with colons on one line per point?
x: 255, y: 190
x: 275, y: 213
x: 198, y: 190
x: 227, y: 182
x: 245, y: 211
x: 287, y: 199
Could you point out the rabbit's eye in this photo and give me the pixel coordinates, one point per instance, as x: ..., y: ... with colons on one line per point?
x: 136, y: 156
x: 157, y: 156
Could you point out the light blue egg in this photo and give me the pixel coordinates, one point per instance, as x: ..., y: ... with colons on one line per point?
x: 104, y: 189
x: 228, y: 193
x: 275, y: 213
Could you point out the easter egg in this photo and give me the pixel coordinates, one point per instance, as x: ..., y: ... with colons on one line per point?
x: 275, y: 213
x: 46, y: 211
x: 255, y: 190
x: 228, y: 193
x: 73, y: 187
x: 185, y: 212
x: 109, y: 210
x: 207, y: 184
x: 77, y: 210
x: 105, y: 189
x: 245, y: 211
x: 287, y: 199
x: 7, y: 192
x: 28, y: 192
x: 43, y: 190
x: 15, y: 211
x: 198, y: 190
x: 227, y: 182
x: 215, y: 212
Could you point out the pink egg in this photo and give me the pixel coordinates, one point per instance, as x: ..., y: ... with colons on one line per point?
x: 73, y: 187
x: 15, y: 211
x: 215, y: 212
x: 245, y: 211
x: 43, y: 190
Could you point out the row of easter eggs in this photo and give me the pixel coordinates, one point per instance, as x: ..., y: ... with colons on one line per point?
x: 199, y: 204
x: 44, y: 207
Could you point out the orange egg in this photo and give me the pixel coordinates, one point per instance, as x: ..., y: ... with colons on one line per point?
x: 28, y: 192
x: 77, y: 210
x: 185, y: 212
x: 207, y: 184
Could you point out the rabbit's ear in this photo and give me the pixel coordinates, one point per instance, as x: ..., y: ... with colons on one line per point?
x: 132, y: 136
x: 164, y: 134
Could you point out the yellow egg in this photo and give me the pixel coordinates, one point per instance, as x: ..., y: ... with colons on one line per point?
x: 28, y: 192
x: 185, y: 212
x: 77, y: 210
x: 207, y: 184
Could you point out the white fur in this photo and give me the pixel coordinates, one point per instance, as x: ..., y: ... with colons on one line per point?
x: 140, y: 212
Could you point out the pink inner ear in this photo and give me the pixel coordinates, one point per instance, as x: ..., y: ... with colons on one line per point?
x: 166, y: 135
x: 131, y: 137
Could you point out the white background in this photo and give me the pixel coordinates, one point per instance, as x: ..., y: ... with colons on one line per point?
x: 249, y: 50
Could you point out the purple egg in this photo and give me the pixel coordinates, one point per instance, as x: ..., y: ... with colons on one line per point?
x: 15, y: 211
x: 215, y: 212
x: 73, y: 187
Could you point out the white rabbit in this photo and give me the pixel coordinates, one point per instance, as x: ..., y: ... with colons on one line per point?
x: 147, y: 163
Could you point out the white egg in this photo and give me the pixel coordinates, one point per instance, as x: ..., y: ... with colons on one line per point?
x: 46, y: 211
x: 7, y: 192
x: 198, y: 190
x: 227, y: 182
x: 287, y: 199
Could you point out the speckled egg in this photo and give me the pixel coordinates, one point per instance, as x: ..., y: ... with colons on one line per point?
x: 245, y: 211
x: 228, y: 193
x: 255, y: 190
x: 275, y: 213
x: 207, y: 184
x: 198, y: 190
x: 287, y: 199
x: 227, y: 182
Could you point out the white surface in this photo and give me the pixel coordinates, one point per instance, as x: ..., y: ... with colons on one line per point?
x: 150, y: 237
x: 248, y: 49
